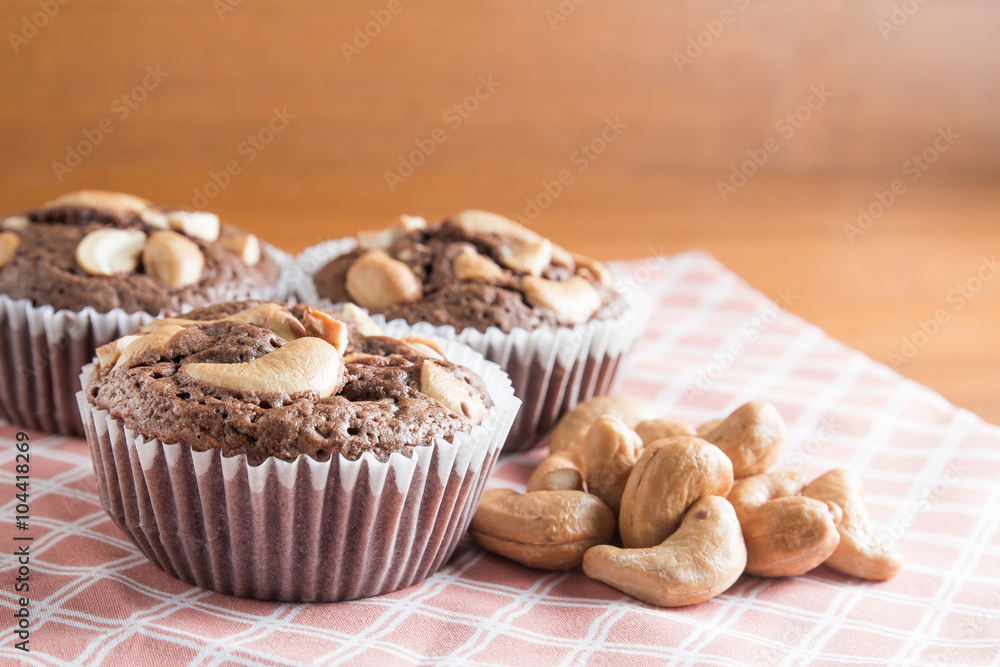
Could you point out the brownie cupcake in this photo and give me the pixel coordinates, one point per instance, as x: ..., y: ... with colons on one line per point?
x: 290, y: 453
x: 551, y: 318
x: 91, y: 266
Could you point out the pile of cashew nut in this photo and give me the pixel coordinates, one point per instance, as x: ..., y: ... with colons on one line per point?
x: 687, y: 532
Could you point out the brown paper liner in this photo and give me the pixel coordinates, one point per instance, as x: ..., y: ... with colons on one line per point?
x: 303, y: 531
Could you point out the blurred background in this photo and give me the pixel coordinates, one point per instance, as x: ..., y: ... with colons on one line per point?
x: 845, y: 152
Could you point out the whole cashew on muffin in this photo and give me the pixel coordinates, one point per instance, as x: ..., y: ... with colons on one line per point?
x: 694, y: 508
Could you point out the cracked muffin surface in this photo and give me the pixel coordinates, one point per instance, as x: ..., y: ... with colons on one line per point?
x: 112, y: 250
x: 217, y: 378
x: 475, y: 269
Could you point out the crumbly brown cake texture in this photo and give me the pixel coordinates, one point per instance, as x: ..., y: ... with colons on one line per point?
x: 264, y: 379
x: 475, y: 269
x: 113, y: 250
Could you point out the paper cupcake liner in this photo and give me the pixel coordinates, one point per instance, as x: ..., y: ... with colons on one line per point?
x: 551, y: 370
x: 302, y: 531
x: 42, y: 351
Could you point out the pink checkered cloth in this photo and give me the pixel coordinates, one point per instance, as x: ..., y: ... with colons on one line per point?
x: 931, y: 472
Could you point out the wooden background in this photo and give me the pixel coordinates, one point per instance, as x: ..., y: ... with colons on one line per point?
x: 355, y: 106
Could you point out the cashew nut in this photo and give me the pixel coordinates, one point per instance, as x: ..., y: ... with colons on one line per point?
x: 319, y: 323
x: 708, y: 427
x: 752, y: 436
x: 669, y: 477
x: 702, y: 559
x: 359, y: 318
x: 560, y: 471
x: 9, y: 243
x: 15, y: 222
x: 383, y: 238
x: 305, y: 364
x: 860, y: 553
x: 199, y: 224
x: 100, y: 199
x: 454, y: 394
x: 543, y: 529
x: 376, y: 280
x: 786, y: 534
x: 123, y: 351
x: 108, y: 251
x: 610, y: 451
x: 573, y: 425
x: 484, y: 222
x: 657, y: 429
x: 245, y: 246
x: 588, y: 266
x: 470, y: 265
x: 173, y: 259
x: 425, y: 346
x: 531, y: 258
x: 269, y: 315
x: 574, y: 299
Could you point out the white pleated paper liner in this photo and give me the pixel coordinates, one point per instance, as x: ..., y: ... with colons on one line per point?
x: 42, y: 351
x: 551, y: 370
x: 303, y: 531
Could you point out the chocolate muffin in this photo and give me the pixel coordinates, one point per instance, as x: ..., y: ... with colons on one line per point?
x: 550, y: 317
x: 475, y: 270
x: 292, y: 453
x: 90, y: 266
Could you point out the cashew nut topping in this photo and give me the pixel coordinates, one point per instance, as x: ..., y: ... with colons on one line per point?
x: 376, y: 280
x: 484, y: 222
x: 109, y: 251
x: 589, y: 266
x: 108, y: 353
x: 860, y: 553
x: 129, y: 348
x: 574, y: 299
x: 454, y: 394
x: 100, y: 199
x: 332, y: 330
x: 199, y: 224
x: 173, y: 259
x: 708, y: 427
x: 610, y: 451
x: 752, y: 436
x: 470, y: 265
x: 572, y: 426
x: 9, y: 243
x: 560, y: 471
x: 669, y: 477
x: 657, y: 429
x: 531, y: 258
x: 359, y: 318
x: 155, y: 218
x: 702, y: 559
x: 383, y: 238
x: 543, y: 529
x: 304, y: 364
x: 786, y: 534
x: 15, y: 222
x: 425, y: 346
x: 245, y: 246
x: 271, y: 316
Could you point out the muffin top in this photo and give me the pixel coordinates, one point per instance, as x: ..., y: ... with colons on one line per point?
x: 268, y: 380
x: 475, y: 269
x: 112, y: 250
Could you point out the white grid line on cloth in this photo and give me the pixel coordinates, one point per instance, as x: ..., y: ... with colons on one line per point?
x: 952, y: 582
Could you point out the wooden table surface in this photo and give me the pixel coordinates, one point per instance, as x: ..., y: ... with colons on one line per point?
x: 295, y: 124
